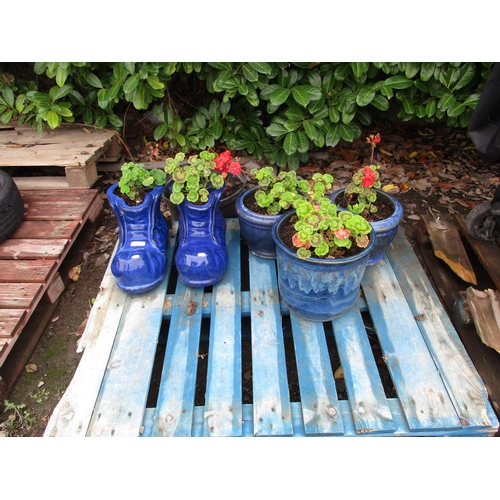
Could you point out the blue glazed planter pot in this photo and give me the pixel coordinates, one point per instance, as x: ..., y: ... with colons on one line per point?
x: 318, y: 289
x: 140, y: 261
x: 385, y: 229
x: 201, y: 258
x: 256, y: 229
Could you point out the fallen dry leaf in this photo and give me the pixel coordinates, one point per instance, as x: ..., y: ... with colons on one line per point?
x: 31, y: 368
x: 339, y: 373
x: 74, y: 273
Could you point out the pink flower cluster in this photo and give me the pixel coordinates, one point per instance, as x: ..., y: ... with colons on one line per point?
x: 224, y: 163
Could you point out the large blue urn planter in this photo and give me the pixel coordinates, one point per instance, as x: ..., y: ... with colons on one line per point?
x: 140, y: 261
x: 318, y: 289
x: 385, y: 229
x: 256, y: 229
x: 201, y: 257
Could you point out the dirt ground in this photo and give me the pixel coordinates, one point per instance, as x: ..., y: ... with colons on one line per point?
x: 430, y: 168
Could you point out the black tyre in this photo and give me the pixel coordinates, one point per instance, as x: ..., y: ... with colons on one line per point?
x: 481, y: 224
x: 11, y: 206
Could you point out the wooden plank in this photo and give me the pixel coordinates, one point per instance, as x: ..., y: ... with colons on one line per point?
x: 448, y: 246
x: 72, y: 415
x: 485, y: 312
x: 223, y: 406
x: 18, y: 295
x: 272, y: 413
x: 459, y: 374
x: 33, y: 249
x: 47, y: 229
x: 42, y: 183
x: 54, y: 208
x: 418, y: 384
x: 320, y: 405
x: 26, y: 271
x: 174, y: 410
x: 488, y: 252
x: 9, y: 319
x: 369, y: 407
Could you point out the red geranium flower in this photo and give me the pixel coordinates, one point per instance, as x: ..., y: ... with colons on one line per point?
x: 342, y: 234
x: 225, y: 163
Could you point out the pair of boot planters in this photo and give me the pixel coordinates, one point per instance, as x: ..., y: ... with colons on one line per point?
x: 140, y: 261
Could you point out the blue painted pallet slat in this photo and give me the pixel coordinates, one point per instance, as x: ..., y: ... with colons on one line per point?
x: 223, y: 407
x: 418, y: 384
x: 466, y: 388
x: 174, y: 411
x: 271, y: 399
x: 369, y: 406
x: 320, y: 405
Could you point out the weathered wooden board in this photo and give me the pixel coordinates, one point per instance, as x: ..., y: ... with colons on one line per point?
x: 448, y: 246
x: 9, y: 319
x: 22, y: 271
x: 272, y: 413
x: 72, y: 147
x: 30, y: 258
x: 44, y: 229
x: 485, y: 310
x: 486, y: 251
x: 223, y: 414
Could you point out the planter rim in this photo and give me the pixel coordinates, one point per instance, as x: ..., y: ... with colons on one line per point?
x: 318, y: 260
x: 397, y: 205
x: 111, y: 192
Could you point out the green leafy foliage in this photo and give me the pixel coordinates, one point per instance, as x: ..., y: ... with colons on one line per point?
x: 322, y: 230
x: 136, y: 178
x: 278, y: 111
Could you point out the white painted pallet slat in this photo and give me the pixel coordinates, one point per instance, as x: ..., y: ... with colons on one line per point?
x: 272, y: 414
x: 223, y: 406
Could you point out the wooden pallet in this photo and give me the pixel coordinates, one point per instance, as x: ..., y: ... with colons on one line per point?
x: 74, y: 148
x: 439, y: 393
x: 485, y: 256
x: 31, y: 257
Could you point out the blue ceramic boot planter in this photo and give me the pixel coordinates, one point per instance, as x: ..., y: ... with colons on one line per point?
x: 140, y: 261
x: 385, y: 229
x: 318, y: 289
x: 256, y: 229
x: 201, y: 258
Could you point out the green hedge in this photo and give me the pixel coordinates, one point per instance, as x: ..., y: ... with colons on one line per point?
x: 279, y: 111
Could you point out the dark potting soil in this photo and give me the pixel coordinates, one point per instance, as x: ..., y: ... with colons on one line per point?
x: 384, y: 211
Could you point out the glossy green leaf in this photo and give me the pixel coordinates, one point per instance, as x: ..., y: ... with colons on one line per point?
x: 279, y: 96
x: 332, y: 136
x: 160, y: 131
x: 291, y: 126
x: 131, y: 83
x: 8, y: 96
x: 365, y: 96
x: 446, y: 102
x: 276, y: 130
x: 430, y: 108
x: 250, y: 73
x: 61, y: 75
x: 412, y: 68
x: 333, y: 114
x: 94, y: 81
x: 115, y: 121
x: 52, y: 119
x: 6, y: 116
x: 398, y: 82
x: 302, y: 142
x: 139, y: 97
x: 59, y: 92
x: 456, y: 109
x: 301, y: 95
x: 310, y: 130
x: 290, y: 143
x: 346, y: 132
x: 359, y: 68
x: 261, y: 67
x: 380, y: 102
x: 466, y: 75
x: 427, y: 71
